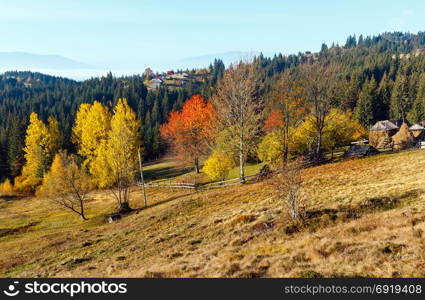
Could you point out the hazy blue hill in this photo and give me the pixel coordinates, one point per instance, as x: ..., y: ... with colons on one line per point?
x: 27, y: 61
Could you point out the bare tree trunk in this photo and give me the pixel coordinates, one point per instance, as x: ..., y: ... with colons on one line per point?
x: 82, y: 211
x: 241, y: 162
x: 197, y: 168
x: 124, y: 208
x: 294, y: 205
x: 285, y: 137
x: 319, y: 146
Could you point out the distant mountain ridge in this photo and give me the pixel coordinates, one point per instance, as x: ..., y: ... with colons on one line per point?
x: 30, y: 61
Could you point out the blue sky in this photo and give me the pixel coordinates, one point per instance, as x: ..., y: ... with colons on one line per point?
x: 129, y: 34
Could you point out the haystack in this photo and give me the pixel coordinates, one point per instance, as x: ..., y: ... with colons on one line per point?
x: 380, y: 134
x: 403, y: 139
x: 380, y: 139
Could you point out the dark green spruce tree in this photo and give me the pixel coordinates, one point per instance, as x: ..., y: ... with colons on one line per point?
x: 365, y: 106
x: 381, y: 110
x: 400, y: 100
x: 418, y: 111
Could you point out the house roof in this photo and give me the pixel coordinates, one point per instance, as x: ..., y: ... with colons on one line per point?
x: 417, y: 127
x: 384, y: 125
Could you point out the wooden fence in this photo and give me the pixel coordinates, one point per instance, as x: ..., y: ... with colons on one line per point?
x: 170, y: 185
x: 200, y: 186
x: 214, y: 185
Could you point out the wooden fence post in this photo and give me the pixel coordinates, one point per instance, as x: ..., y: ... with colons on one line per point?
x: 141, y: 177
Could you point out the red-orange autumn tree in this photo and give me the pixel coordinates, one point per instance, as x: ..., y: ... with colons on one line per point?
x: 191, y: 130
x: 274, y: 121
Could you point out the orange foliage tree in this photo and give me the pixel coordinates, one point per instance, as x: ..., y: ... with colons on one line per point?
x: 190, y: 131
x: 274, y: 121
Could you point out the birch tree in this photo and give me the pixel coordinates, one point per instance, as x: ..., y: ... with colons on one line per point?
x: 41, y: 144
x: 121, y: 152
x: 90, y: 130
x: 240, y: 109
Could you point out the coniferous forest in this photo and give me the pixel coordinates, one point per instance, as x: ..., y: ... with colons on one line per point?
x: 383, y: 78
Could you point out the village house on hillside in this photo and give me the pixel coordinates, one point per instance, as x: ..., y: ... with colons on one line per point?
x: 175, y: 79
x: 154, y: 83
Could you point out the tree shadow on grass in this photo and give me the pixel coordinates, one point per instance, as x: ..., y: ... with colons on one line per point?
x: 11, y: 197
x: 17, y: 230
x: 165, y: 173
x: 161, y: 202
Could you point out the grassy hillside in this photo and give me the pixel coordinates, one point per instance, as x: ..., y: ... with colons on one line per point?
x: 366, y: 218
x: 169, y: 169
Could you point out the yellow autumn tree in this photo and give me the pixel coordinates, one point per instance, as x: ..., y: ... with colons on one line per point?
x: 80, y: 119
x: 271, y: 148
x: 109, y: 144
x: 66, y: 184
x: 41, y: 143
x: 340, y: 129
x: 218, y: 165
x: 91, y: 128
x: 52, y: 179
x: 99, y: 167
x: 54, y: 136
x: 121, y: 151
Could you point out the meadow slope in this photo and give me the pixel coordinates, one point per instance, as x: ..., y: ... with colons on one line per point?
x: 366, y: 218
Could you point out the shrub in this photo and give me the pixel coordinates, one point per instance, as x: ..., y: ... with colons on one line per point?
x: 288, y: 184
x: 270, y: 150
x: 217, y: 166
x: 26, y: 184
x: 6, y: 188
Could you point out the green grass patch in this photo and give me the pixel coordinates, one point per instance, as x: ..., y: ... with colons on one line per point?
x: 250, y: 169
x: 164, y: 170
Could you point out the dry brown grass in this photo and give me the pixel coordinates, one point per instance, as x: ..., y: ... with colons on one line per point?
x: 367, y: 219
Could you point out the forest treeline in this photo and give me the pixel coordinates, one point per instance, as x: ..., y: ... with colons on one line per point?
x: 22, y: 93
x: 380, y: 77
